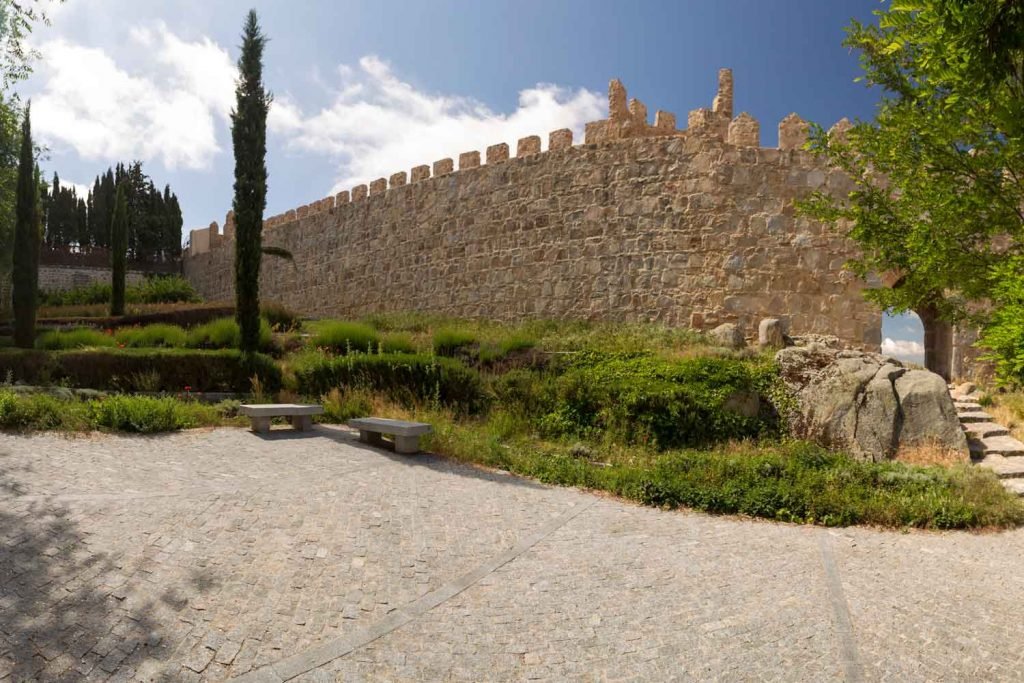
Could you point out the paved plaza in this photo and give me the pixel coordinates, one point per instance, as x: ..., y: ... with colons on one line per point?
x: 210, y: 555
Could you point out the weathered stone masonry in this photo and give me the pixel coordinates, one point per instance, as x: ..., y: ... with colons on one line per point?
x: 642, y: 222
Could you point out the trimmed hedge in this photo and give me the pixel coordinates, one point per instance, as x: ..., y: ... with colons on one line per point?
x: 141, y: 370
x: 406, y: 378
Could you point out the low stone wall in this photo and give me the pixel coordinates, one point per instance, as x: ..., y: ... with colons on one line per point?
x: 60, y: 278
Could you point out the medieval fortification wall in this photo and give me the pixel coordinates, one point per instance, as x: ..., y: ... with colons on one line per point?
x: 690, y: 227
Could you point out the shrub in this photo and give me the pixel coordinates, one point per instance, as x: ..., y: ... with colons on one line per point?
x: 281, y: 319
x: 343, y: 337
x: 79, y: 338
x: 163, y: 289
x: 142, y: 369
x: 146, y: 415
x: 397, y: 342
x: 139, y: 414
x: 448, y: 341
x: 341, y: 406
x: 152, y: 336
x: 158, y: 289
x: 406, y: 378
x: 223, y: 333
x: 668, y: 404
x: 506, y: 345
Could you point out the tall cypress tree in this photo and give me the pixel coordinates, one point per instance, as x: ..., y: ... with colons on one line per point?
x: 118, y: 252
x: 25, y: 275
x: 249, y: 138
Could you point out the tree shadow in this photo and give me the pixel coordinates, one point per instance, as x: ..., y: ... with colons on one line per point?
x: 66, y: 611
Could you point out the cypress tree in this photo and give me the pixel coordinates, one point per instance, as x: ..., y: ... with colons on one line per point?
x: 25, y: 274
x: 118, y: 251
x: 249, y: 138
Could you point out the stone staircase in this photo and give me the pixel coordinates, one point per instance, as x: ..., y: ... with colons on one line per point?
x: 990, y: 443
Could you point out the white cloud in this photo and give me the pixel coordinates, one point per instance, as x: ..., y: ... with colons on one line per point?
x: 164, y: 108
x: 903, y: 349
x: 378, y: 124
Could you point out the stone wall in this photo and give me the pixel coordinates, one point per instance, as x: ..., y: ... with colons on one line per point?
x: 689, y: 227
x: 53, y: 278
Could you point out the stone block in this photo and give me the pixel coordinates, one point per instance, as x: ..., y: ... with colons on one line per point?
x: 421, y: 172
x: 528, y: 146
x: 469, y: 160
x: 378, y: 186
x: 560, y: 139
x: 729, y: 335
x: 771, y: 334
x: 341, y: 198
x: 359, y: 192
x: 744, y: 131
x: 443, y: 167
x: 497, y: 153
x: 664, y: 122
x: 397, y: 179
x: 792, y: 132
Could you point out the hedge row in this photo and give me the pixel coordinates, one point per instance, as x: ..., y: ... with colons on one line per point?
x: 141, y: 370
x: 407, y: 378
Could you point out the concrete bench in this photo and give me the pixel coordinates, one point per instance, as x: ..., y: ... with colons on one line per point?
x: 406, y: 434
x: 300, y: 416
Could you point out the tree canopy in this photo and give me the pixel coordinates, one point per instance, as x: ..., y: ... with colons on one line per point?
x: 938, y: 202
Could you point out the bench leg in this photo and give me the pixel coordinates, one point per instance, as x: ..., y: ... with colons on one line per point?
x: 407, y: 444
x: 303, y: 423
x: 372, y: 438
x: 260, y: 425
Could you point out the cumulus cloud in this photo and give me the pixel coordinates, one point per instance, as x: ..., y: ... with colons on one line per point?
x: 378, y: 124
x: 903, y: 349
x: 165, y: 107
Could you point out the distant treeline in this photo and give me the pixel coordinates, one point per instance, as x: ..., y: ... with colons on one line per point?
x: 82, y: 224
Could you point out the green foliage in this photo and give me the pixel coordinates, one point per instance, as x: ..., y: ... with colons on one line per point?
x: 249, y: 139
x: 449, y: 341
x: 146, y: 415
x: 397, y: 342
x: 78, y: 338
x: 1003, y: 335
x: 161, y: 289
x: 344, y: 337
x: 139, y: 414
x: 642, y: 399
x: 495, y: 351
x: 937, y: 199
x: 406, y: 378
x: 142, y: 369
x: 224, y: 333
x: 151, y: 336
x: 280, y: 317
x: 25, y: 276
x: 118, y: 251
x: 342, y: 406
x: 791, y: 481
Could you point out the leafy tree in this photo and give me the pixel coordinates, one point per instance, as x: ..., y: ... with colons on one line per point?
x: 938, y: 201
x: 26, y: 242
x: 118, y: 251
x: 249, y: 138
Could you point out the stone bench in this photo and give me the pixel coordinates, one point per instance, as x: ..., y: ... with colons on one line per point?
x: 406, y: 434
x: 301, y: 416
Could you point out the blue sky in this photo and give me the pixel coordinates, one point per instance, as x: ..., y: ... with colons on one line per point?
x: 364, y: 89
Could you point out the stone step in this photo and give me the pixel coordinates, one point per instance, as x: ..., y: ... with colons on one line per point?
x: 1014, y: 486
x: 966, y: 406
x: 1003, y: 445
x: 981, y: 430
x: 974, y: 416
x: 1005, y: 468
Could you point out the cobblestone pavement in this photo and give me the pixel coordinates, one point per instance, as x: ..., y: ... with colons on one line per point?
x: 209, y: 555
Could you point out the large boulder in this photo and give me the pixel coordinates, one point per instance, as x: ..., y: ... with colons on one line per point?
x: 865, y: 403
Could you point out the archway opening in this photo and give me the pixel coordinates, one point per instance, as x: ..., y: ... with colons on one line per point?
x: 920, y: 338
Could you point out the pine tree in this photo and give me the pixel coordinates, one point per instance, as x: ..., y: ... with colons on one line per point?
x: 249, y: 138
x: 25, y: 275
x: 118, y: 251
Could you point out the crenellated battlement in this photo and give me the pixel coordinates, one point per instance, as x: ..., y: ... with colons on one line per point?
x: 627, y: 119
